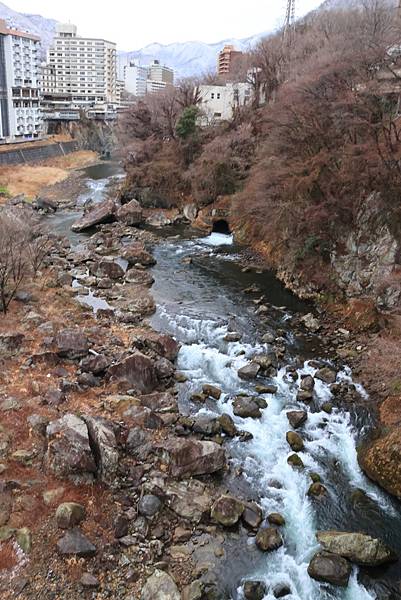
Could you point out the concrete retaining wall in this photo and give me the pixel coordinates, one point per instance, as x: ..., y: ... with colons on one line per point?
x: 37, y: 153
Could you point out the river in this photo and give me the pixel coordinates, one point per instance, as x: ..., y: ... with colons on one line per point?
x: 199, y: 290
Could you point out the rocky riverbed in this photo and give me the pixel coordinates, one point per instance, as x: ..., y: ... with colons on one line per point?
x: 177, y: 426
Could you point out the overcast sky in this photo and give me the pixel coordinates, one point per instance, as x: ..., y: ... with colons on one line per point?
x: 133, y: 24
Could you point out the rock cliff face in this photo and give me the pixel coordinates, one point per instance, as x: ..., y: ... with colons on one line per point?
x: 368, y: 264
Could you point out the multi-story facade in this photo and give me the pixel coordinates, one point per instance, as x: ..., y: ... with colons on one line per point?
x: 135, y: 79
x: 226, y: 60
x: 81, y: 71
x: 219, y: 102
x: 20, y: 113
x: 160, y: 73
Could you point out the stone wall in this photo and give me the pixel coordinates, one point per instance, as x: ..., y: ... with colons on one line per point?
x: 17, y: 156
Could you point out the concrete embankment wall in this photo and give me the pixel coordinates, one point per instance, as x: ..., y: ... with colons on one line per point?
x: 16, y: 156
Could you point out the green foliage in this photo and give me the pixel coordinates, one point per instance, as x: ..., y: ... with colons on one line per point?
x: 186, y: 126
x: 4, y: 191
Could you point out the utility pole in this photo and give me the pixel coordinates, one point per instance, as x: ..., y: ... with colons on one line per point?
x: 289, y: 23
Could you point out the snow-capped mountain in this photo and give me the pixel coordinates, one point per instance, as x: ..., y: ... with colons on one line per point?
x: 187, y: 58
x: 35, y: 24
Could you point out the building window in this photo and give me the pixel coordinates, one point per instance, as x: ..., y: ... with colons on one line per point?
x: 218, y: 96
x: 212, y: 95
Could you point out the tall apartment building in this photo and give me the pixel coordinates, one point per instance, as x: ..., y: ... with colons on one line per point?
x: 226, y: 59
x: 20, y: 115
x: 160, y: 74
x: 80, y: 71
x: 135, y: 79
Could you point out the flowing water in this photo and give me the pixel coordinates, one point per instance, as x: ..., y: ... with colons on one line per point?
x: 199, y: 301
x: 199, y: 290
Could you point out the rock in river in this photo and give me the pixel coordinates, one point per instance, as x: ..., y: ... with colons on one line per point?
x: 268, y: 539
x: 254, y: 590
x: 295, y: 441
x: 249, y: 371
x: 227, y: 510
x: 246, y: 406
x: 297, y: 418
x: 330, y: 568
x: 359, y: 548
x: 130, y: 213
x: 381, y: 461
x: 102, y: 213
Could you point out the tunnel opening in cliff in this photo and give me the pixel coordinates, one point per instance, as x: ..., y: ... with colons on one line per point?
x: 221, y: 226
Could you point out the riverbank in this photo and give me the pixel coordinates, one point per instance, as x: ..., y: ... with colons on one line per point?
x: 91, y: 439
x: 35, y: 179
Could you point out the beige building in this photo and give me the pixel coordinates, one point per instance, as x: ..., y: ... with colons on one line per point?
x: 226, y: 60
x: 20, y: 113
x: 161, y: 74
x: 81, y: 71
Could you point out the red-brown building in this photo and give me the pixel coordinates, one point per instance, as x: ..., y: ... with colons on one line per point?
x: 226, y: 60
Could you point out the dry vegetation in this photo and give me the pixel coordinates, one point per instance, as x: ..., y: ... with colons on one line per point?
x: 31, y: 179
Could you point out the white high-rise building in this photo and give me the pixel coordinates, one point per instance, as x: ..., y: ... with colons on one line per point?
x: 80, y: 71
x: 135, y: 79
x: 20, y: 114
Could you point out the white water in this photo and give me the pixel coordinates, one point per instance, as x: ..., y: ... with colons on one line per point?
x: 96, y: 191
x: 330, y: 439
x: 206, y: 358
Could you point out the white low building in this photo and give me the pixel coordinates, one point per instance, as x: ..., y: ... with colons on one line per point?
x: 20, y: 113
x: 218, y: 102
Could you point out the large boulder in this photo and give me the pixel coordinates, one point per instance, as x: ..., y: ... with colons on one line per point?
x: 326, y: 374
x: 136, y: 372
x: 161, y: 343
x: 359, y: 548
x: 249, y: 371
x: 102, y: 213
x: 189, y: 499
x: 381, y: 461
x: 109, y: 269
x: 130, y: 213
x: 104, y: 445
x: 297, y: 418
x: 295, y: 441
x: 268, y: 539
x: 68, y: 450
x: 246, y: 406
x: 193, y: 457
x: 254, y: 590
x: 160, y: 586
x: 330, y: 568
x: 227, y: 510
x: 71, y: 343
x: 136, y: 254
